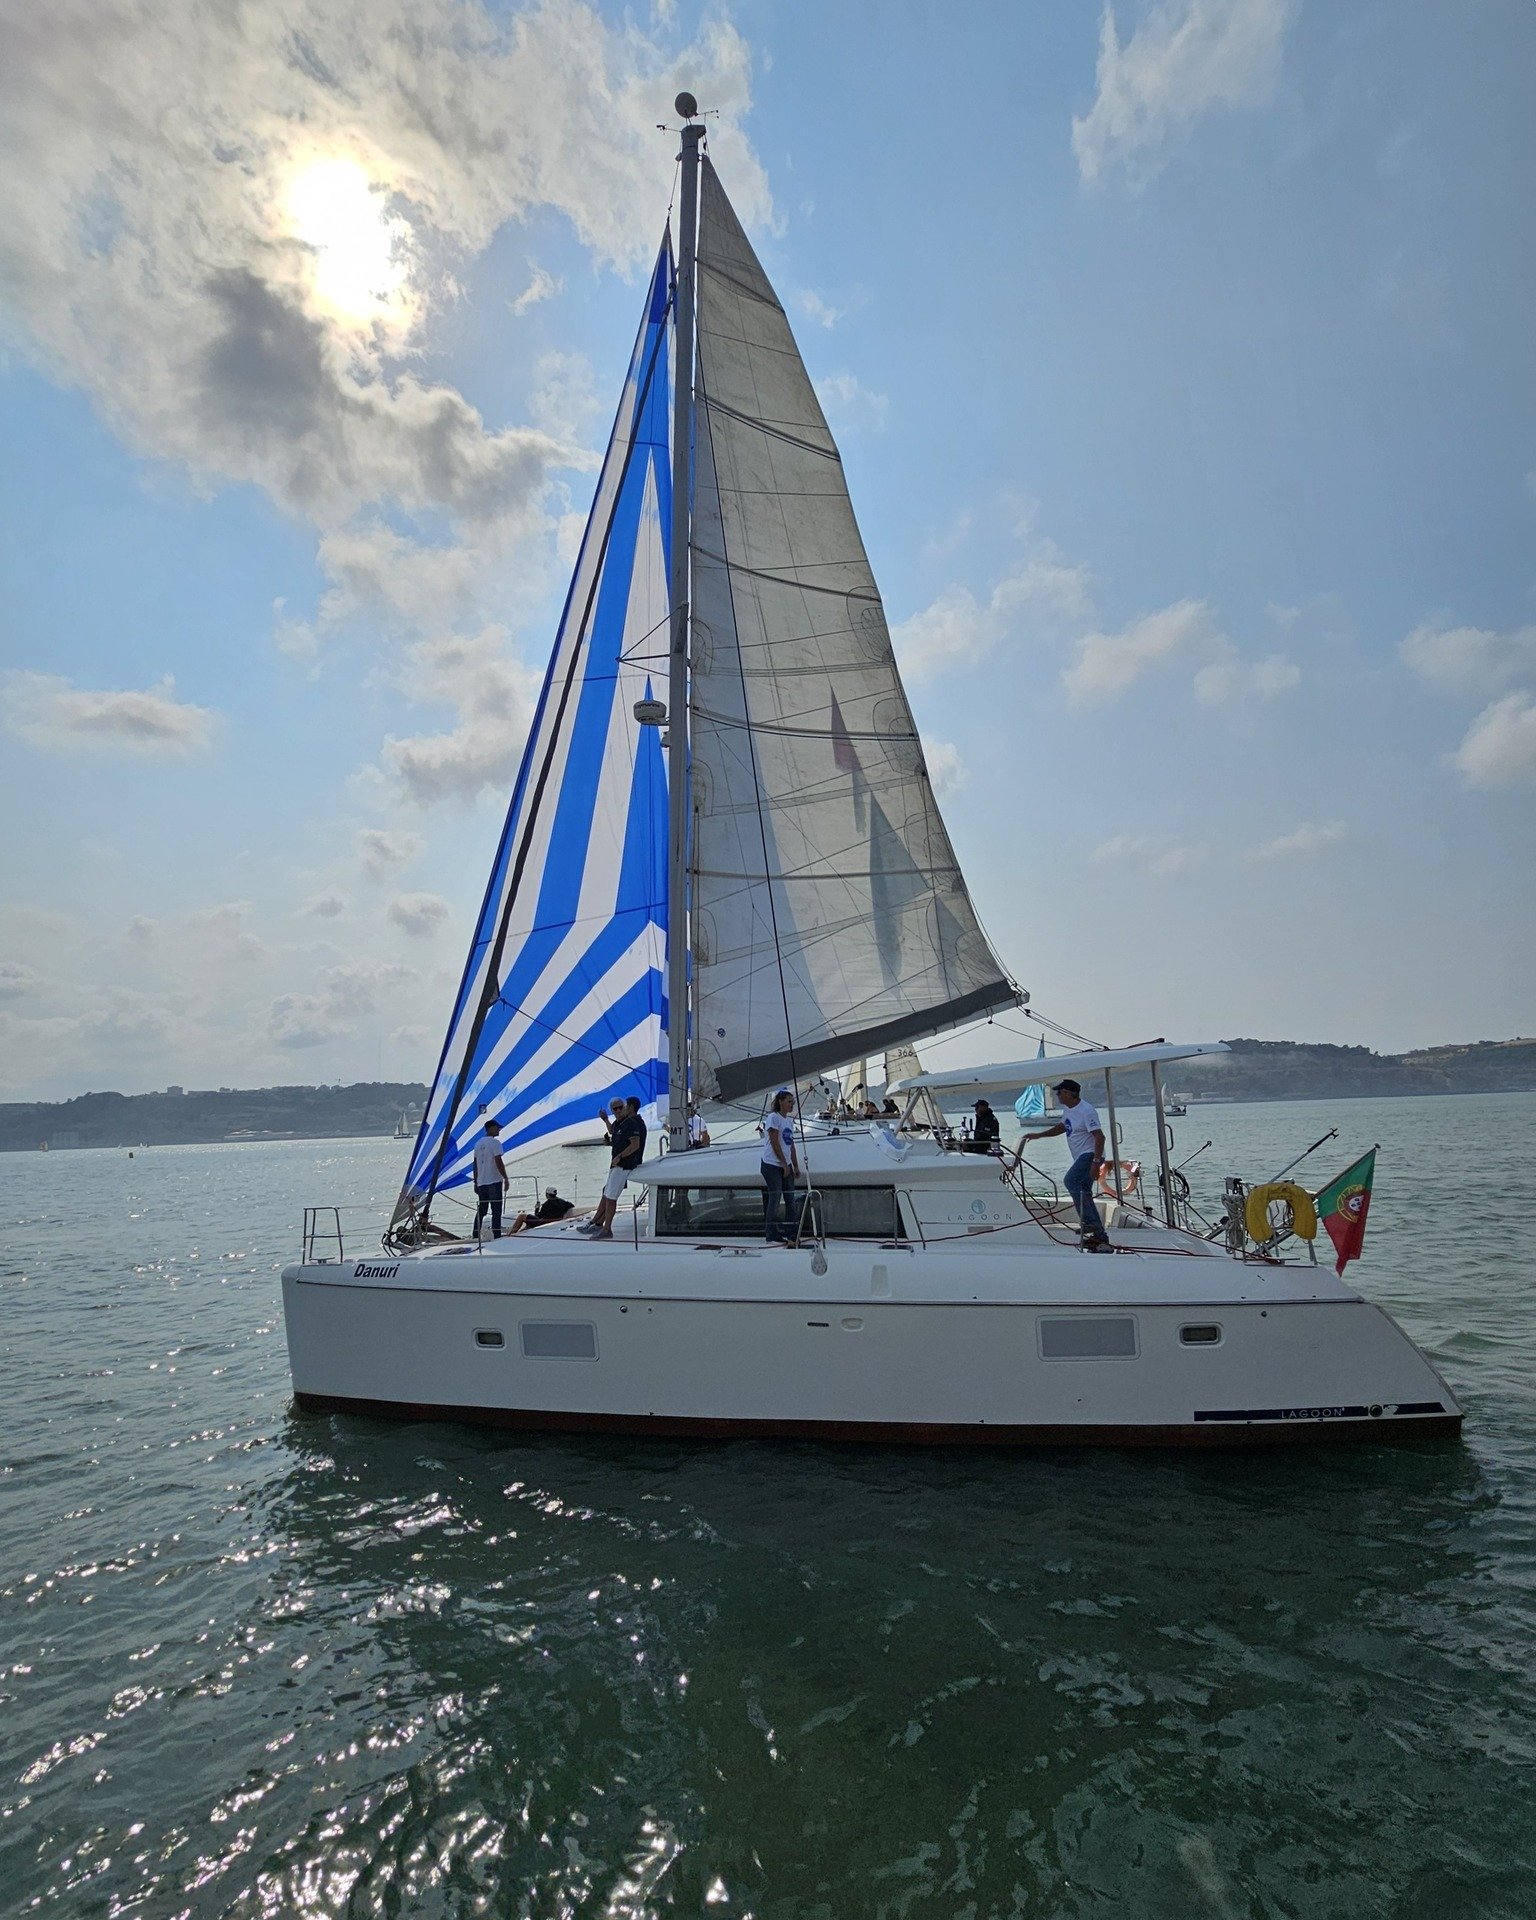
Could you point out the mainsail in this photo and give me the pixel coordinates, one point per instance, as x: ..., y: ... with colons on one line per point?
x: 826, y: 916
x: 830, y: 918
x: 562, y: 1002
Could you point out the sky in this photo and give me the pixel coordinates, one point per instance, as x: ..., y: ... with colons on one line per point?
x: 1179, y: 354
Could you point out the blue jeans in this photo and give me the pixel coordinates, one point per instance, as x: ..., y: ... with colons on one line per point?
x: 778, y: 1198
x: 489, y: 1197
x: 1079, y: 1183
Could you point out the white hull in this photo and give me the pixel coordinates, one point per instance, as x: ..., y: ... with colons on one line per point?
x: 960, y: 1343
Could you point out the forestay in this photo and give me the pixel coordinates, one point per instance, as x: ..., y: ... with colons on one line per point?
x: 830, y: 918
x: 561, y: 1004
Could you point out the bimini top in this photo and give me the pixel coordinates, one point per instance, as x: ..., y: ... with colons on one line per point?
x: 1006, y: 1076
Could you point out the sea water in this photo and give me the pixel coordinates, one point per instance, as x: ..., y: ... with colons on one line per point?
x: 262, y: 1663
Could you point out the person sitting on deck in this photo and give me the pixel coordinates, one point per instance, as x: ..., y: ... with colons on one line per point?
x: 627, y: 1139
x: 551, y: 1207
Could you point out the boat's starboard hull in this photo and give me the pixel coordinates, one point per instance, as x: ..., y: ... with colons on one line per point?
x: 1202, y: 1372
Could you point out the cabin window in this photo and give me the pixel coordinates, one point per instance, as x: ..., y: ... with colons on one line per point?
x: 489, y: 1337
x: 1201, y: 1336
x: 559, y: 1339
x: 1098, y: 1336
x: 721, y: 1213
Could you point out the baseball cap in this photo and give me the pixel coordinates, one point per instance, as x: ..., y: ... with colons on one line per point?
x: 1066, y: 1086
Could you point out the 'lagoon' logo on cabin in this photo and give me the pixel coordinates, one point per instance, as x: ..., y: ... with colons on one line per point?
x: 362, y: 1271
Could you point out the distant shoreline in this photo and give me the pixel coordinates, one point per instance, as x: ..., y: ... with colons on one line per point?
x: 1253, y: 1070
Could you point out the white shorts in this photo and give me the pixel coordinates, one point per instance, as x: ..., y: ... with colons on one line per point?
x: 615, y: 1184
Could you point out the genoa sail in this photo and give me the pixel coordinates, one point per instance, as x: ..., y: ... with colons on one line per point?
x: 562, y: 1002
x: 829, y: 916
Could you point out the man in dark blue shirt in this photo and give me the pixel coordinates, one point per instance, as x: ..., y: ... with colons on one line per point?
x: 627, y: 1142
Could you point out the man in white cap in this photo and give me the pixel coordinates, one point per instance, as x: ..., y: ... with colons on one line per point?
x: 551, y: 1207
x: 1085, y: 1143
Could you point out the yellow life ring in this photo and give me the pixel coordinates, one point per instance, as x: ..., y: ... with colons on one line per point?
x: 1261, y: 1199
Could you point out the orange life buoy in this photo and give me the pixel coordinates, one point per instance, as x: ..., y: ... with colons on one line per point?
x: 1130, y: 1177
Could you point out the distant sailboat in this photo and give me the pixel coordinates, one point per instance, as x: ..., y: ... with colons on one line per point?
x: 768, y: 894
x: 1030, y: 1104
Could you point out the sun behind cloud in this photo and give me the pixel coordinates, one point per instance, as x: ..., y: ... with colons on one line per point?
x: 361, y: 252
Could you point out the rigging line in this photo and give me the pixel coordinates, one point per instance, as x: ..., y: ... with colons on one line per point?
x: 871, y: 596
x: 751, y: 293
x: 782, y: 732
x: 498, y: 946
x: 774, y: 433
x: 626, y: 654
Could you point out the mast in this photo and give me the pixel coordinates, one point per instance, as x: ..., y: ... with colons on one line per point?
x: 679, y: 775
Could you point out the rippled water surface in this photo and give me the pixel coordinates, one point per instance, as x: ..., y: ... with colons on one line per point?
x: 262, y: 1664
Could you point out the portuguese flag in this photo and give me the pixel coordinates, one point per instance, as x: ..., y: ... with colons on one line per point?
x: 1342, y: 1206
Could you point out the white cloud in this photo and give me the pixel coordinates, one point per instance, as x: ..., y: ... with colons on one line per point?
x: 494, y: 697
x: 1187, y: 57
x: 418, y: 914
x: 1304, y: 842
x: 1161, y: 857
x: 381, y: 852
x: 850, y: 404
x: 947, y: 771
x: 49, y: 712
x: 817, y: 310
x: 184, y: 185
x: 1044, y: 591
x: 153, y: 253
x: 1499, y: 749
x: 1474, y: 659
x: 17, y: 980
x: 1185, y: 635
x: 346, y: 995
x: 325, y: 905
x: 565, y: 401
x: 542, y: 285
x: 1229, y: 679
x: 1105, y: 664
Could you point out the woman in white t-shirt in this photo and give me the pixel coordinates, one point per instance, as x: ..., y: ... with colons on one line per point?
x: 781, y: 1163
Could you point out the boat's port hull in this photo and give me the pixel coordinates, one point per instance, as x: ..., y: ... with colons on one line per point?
x: 868, y: 1369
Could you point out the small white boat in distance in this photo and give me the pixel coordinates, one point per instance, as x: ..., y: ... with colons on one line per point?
x: 768, y: 895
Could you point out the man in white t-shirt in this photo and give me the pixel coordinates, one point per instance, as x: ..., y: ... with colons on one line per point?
x: 779, y: 1165
x: 1085, y: 1145
x: 490, y: 1179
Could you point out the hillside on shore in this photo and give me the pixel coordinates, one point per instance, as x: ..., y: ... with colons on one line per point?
x: 1296, y: 1070
x: 179, y: 1119
x: 1253, y: 1070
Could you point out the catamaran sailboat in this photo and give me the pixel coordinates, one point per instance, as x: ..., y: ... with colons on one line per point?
x: 737, y: 887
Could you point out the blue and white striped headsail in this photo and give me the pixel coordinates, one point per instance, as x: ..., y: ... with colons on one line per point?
x: 562, y: 1004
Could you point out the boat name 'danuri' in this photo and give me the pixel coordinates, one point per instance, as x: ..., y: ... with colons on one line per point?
x: 364, y: 1271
